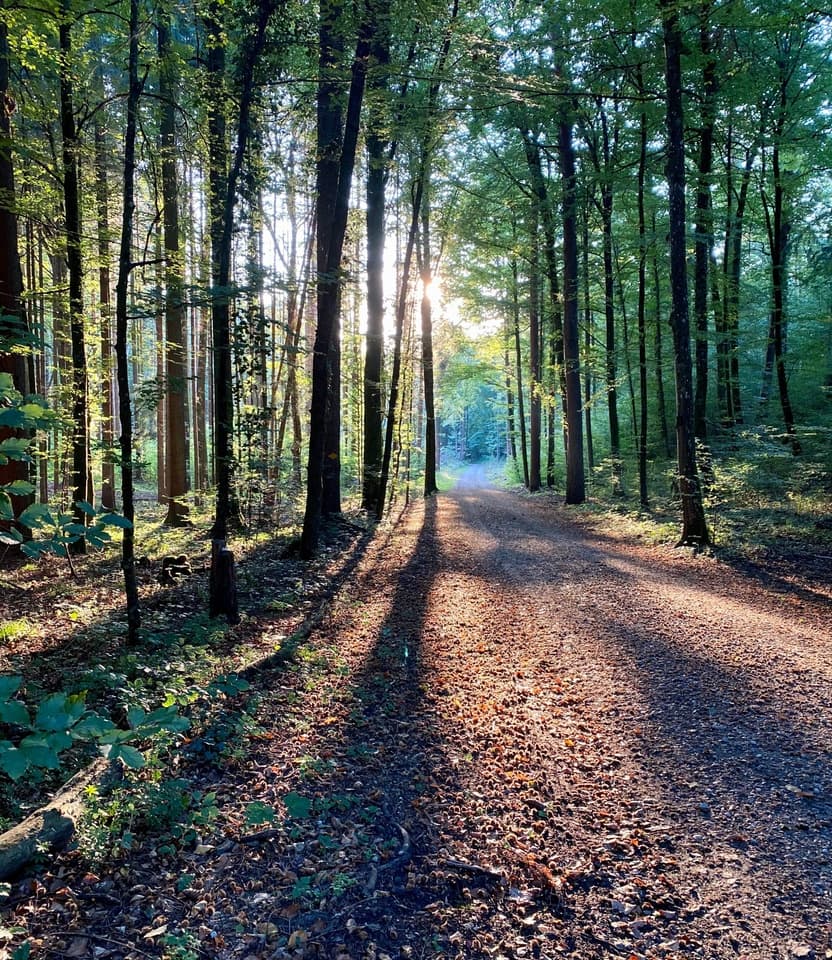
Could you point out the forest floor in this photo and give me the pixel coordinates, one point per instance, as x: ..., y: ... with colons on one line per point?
x: 512, y: 734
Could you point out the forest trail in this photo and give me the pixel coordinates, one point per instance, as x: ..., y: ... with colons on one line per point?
x: 521, y: 739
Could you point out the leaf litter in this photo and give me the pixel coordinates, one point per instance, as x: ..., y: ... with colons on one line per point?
x: 480, y: 753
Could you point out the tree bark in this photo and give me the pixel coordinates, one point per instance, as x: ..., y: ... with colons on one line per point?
x: 704, y: 230
x: 125, y: 265
x: 72, y: 216
x: 336, y: 160
x: 694, y: 527
x: 575, y: 480
x: 376, y: 179
x: 175, y: 384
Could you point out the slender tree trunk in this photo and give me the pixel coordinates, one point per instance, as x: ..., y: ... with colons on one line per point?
x: 108, y: 472
x: 694, y: 527
x: 642, y: 314
x: 779, y: 229
x: 425, y: 312
x: 125, y: 265
x: 376, y: 179
x: 609, y: 309
x: 575, y: 481
x: 13, y: 323
x: 658, y: 344
x: 72, y: 213
x: 518, y: 366
x: 401, y: 314
x: 336, y: 160
x: 511, y: 420
x: 176, y: 447
x: 704, y: 230
x: 535, y: 385
x: 588, y: 332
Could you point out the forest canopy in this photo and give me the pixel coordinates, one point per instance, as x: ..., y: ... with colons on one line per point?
x: 254, y: 254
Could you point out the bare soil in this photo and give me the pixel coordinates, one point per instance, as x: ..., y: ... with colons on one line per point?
x: 511, y: 736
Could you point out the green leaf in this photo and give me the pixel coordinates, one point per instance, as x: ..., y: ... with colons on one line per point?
x: 85, y: 507
x: 297, y: 806
x: 6, y: 512
x: 258, y: 812
x: 12, y: 762
x: 115, y: 520
x: 36, y: 515
x: 92, y: 727
x: 9, y: 685
x: 39, y: 754
x: 129, y: 756
x: 19, y: 488
x: 7, y: 385
x: 23, y: 951
x: 13, y: 711
x: 59, y: 712
x: 11, y: 538
x: 12, y: 417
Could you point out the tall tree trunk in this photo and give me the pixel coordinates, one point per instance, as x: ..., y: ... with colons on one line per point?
x: 575, y: 481
x: 703, y: 229
x: 108, y: 471
x: 779, y: 229
x: 176, y: 374
x: 376, y: 179
x: 336, y: 160
x: 125, y: 265
x: 642, y: 314
x: 518, y: 366
x: 609, y: 307
x: 13, y: 325
x: 511, y: 420
x: 694, y: 527
x: 218, y: 189
x: 425, y: 312
x: 72, y: 213
x: 535, y: 385
x: 658, y: 343
x: 588, y: 332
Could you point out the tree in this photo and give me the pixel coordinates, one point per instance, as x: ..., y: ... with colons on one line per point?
x: 176, y: 451
x: 694, y: 527
x: 336, y: 160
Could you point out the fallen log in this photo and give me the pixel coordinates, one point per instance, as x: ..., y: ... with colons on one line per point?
x: 52, y: 826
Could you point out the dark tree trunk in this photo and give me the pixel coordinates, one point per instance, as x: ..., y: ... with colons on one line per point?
x: 609, y: 308
x: 575, y: 482
x: 336, y: 160
x: 694, y: 527
x: 108, y: 472
x: 125, y: 265
x: 658, y: 345
x: 176, y: 449
x: 72, y: 214
x: 704, y: 230
x: 779, y: 229
x: 218, y: 188
x: 426, y: 316
x: 518, y: 362
x: 588, y: 331
x: 642, y: 314
x: 535, y: 385
x: 376, y: 180
x: 13, y: 326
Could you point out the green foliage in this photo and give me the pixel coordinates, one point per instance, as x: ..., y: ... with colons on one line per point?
x: 169, y: 812
x: 36, y: 738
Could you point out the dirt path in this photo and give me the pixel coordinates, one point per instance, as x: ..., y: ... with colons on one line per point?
x: 519, y: 740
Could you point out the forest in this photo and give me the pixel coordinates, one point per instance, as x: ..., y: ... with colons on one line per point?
x: 288, y: 288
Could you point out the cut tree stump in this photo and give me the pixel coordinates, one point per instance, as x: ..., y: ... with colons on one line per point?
x: 51, y: 827
x: 222, y: 589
